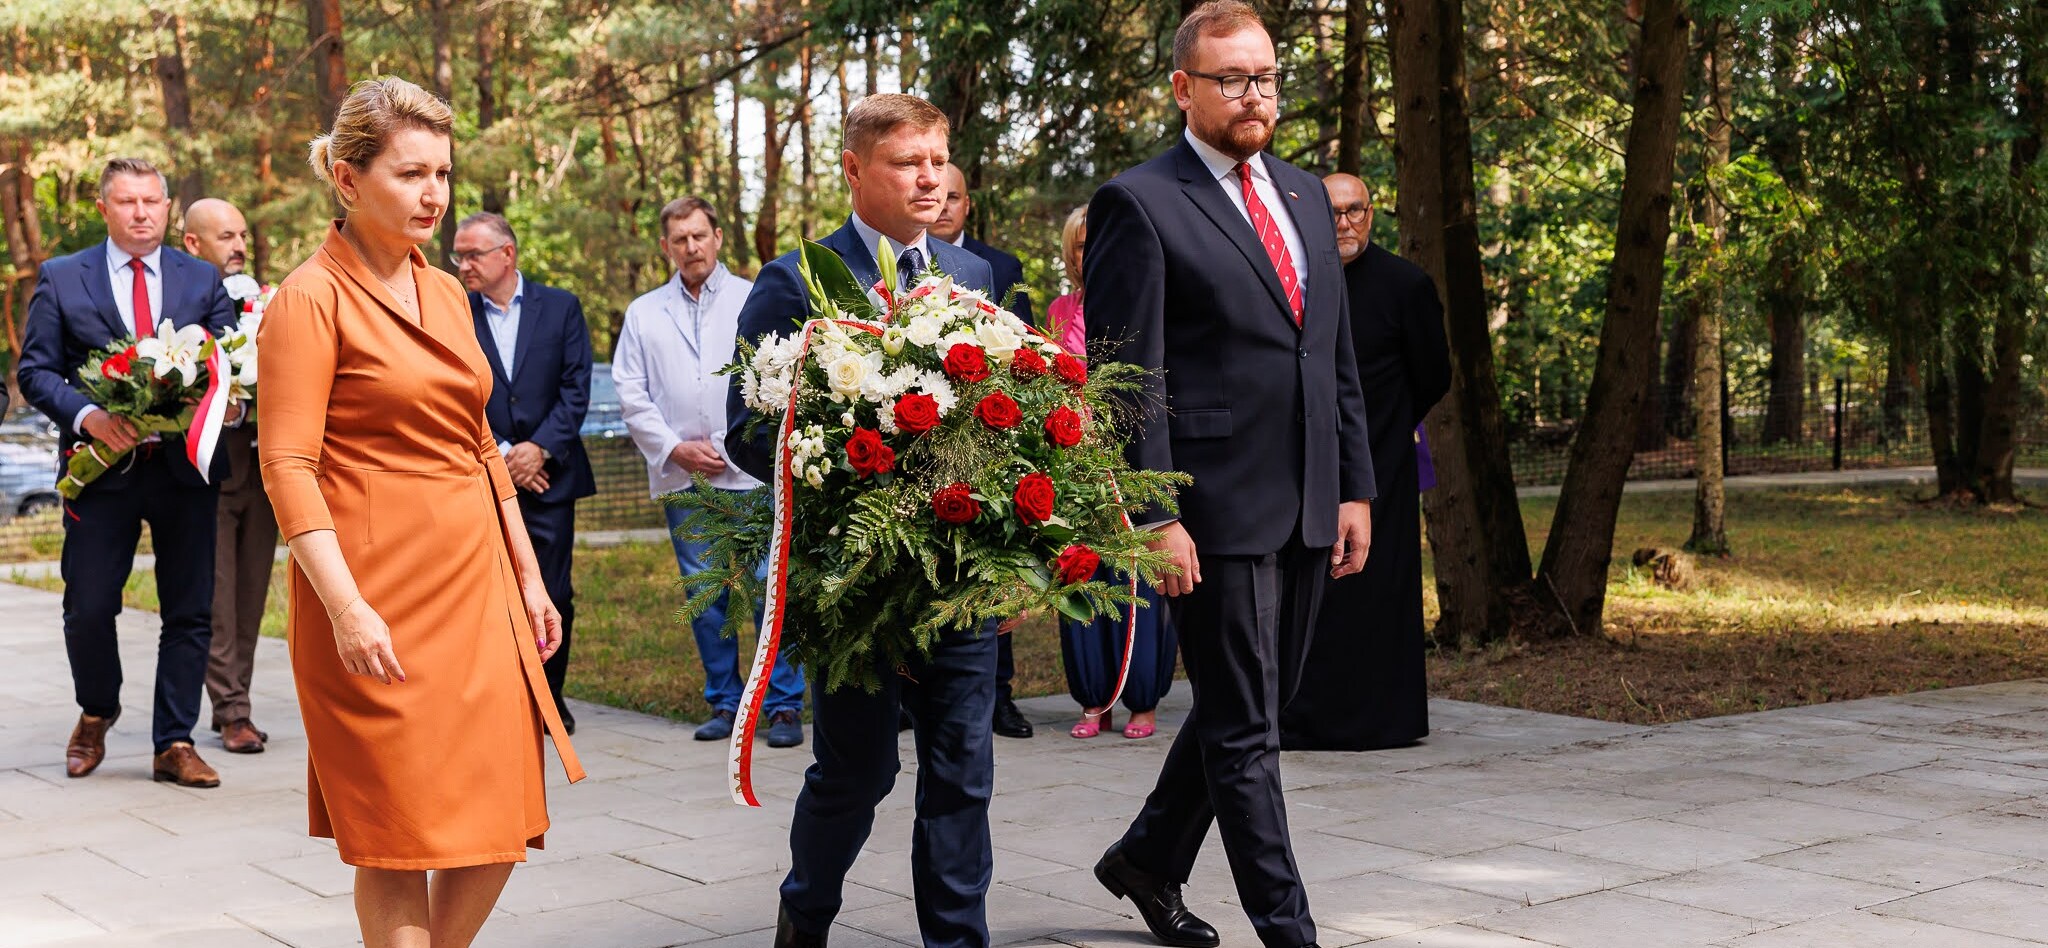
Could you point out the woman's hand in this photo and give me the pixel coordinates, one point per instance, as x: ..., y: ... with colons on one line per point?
x: 543, y: 617
x: 364, y: 642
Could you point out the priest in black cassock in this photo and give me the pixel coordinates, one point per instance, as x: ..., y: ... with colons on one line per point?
x: 1363, y: 687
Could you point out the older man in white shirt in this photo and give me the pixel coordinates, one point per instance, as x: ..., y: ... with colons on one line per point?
x: 675, y: 340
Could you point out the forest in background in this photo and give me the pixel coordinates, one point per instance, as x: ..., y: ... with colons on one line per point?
x: 1631, y: 207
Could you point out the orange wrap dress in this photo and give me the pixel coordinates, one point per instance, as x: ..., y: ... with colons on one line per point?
x: 373, y: 427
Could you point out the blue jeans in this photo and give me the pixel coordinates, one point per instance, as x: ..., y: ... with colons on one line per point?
x: 721, y: 655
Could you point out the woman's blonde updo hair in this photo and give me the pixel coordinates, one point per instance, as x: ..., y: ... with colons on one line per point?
x: 375, y: 110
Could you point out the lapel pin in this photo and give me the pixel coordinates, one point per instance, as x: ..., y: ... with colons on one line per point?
x: 1293, y: 195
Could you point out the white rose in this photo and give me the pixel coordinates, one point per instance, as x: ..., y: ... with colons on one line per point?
x: 1000, y: 341
x: 925, y: 330
x: 241, y: 286
x: 844, y: 374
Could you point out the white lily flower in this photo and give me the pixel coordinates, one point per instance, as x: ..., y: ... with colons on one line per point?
x: 174, y: 349
x: 241, y: 286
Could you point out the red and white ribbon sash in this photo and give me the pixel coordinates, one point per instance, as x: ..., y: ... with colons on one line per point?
x: 204, y: 436
x: 768, y: 639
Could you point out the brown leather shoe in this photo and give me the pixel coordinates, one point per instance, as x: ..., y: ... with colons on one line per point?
x: 242, y: 737
x: 181, y: 765
x: 88, y: 745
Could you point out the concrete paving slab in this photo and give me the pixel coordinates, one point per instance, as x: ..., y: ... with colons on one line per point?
x: 1909, y: 820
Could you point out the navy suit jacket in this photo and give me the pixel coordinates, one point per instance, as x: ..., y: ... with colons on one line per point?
x: 548, y: 393
x: 777, y: 304
x: 1266, y: 416
x: 1008, y: 272
x: 72, y: 314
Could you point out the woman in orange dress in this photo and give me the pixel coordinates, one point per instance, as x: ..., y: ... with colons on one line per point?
x: 418, y: 621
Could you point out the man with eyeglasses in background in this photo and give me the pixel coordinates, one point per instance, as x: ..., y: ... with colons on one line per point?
x: 538, y: 344
x: 1215, y: 266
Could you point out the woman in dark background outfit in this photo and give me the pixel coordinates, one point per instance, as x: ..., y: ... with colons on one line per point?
x: 1091, y: 652
x: 1364, y: 687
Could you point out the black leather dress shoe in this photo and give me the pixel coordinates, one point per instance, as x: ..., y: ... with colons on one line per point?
x: 787, y: 935
x: 1009, y: 721
x: 1159, y: 903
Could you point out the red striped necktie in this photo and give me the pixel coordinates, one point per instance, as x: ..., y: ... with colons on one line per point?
x: 1269, y: 237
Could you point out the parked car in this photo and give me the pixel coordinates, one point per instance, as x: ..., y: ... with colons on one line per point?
x: 605, y: 419
x: 28, y: 478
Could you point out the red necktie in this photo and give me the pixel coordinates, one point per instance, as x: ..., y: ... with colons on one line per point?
x: 144, y: 320
x: 1269, y: 236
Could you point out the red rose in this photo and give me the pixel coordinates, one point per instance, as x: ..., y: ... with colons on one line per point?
x: 998, y: 411
x: 965, y: 363
x: 917, y: 413
x: 1034, y: 498
x: 116, y: 366
x: 1071, y: 370
x: 1063, y: 427
x: 1076, y: 564
x: 868, y: 455
x: 1028, y: 364
x: 955, y: 504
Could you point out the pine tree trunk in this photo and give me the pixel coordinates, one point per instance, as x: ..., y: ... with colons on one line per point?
x: 1473, y: 517
x: 807, y: 174
x: 330, y: 69
x: 1710, y: 502
x: 772, y: 143
x: 444, y: 86
x: 736, y: 221
x: 1581, y: 541
x: 169, y: 65
x: 487, y: 94
x: 2009, y: 335
x: 1351, y: 117
x: 265, y: 144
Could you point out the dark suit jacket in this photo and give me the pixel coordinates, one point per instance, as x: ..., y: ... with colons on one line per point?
x: 777, y: 304
x: 1404, y: 364
x: 1266, y: 416
x: 546, y: 397
x: 1008, y: 272
x: 72, y: 314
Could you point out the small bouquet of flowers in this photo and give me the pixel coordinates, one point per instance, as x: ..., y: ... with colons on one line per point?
x: 164, y: 384
x: 239, y: 343
x: 938, y: 463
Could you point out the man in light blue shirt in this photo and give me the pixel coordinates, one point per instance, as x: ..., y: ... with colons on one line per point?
x: 675, y: 340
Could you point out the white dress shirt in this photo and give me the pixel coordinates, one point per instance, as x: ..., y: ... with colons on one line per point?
x: 1279, y: 205
x: 666, y: 368
x: 504, y: 323
x: 123, y: 278
x: 870, y: 238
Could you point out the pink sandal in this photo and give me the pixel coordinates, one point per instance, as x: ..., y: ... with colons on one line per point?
x: 1089, y: 726
x: 1139, y: 732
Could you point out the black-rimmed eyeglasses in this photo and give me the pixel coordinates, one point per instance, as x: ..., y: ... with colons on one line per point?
x: 1355, y: 213
x: 1235, y: 85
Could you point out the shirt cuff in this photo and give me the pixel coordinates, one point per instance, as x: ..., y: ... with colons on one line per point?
x: 504, y: 448
x: 78, y: 421
x: 1156, y: 524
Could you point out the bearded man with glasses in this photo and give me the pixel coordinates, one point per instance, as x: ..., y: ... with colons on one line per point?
x: 1216, y: 265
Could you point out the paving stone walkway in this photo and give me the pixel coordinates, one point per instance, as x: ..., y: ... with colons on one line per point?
x: 1917, y: 821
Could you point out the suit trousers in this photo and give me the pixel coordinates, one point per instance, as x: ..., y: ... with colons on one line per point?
x: 1244, y: 633
x: 552, y: 528
x: 101, y: 529
x: 951, y: 700
x: 245, y: 551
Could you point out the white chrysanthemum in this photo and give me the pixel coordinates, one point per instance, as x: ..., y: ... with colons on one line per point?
x: 814, y: 475
x: 885, y: 417
x: 963, y: 336
x: 940, y: 389
x: 925, y: 330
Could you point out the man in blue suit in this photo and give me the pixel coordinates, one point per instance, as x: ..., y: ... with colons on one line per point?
x: 1008, y: 271
x: 129, y: 286
x: 539, y: 349
x: 894, y: 161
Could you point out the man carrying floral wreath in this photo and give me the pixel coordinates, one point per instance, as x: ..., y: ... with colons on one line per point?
x: 130, y: 286
x: 896, y: 151
x: 245, y: 531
